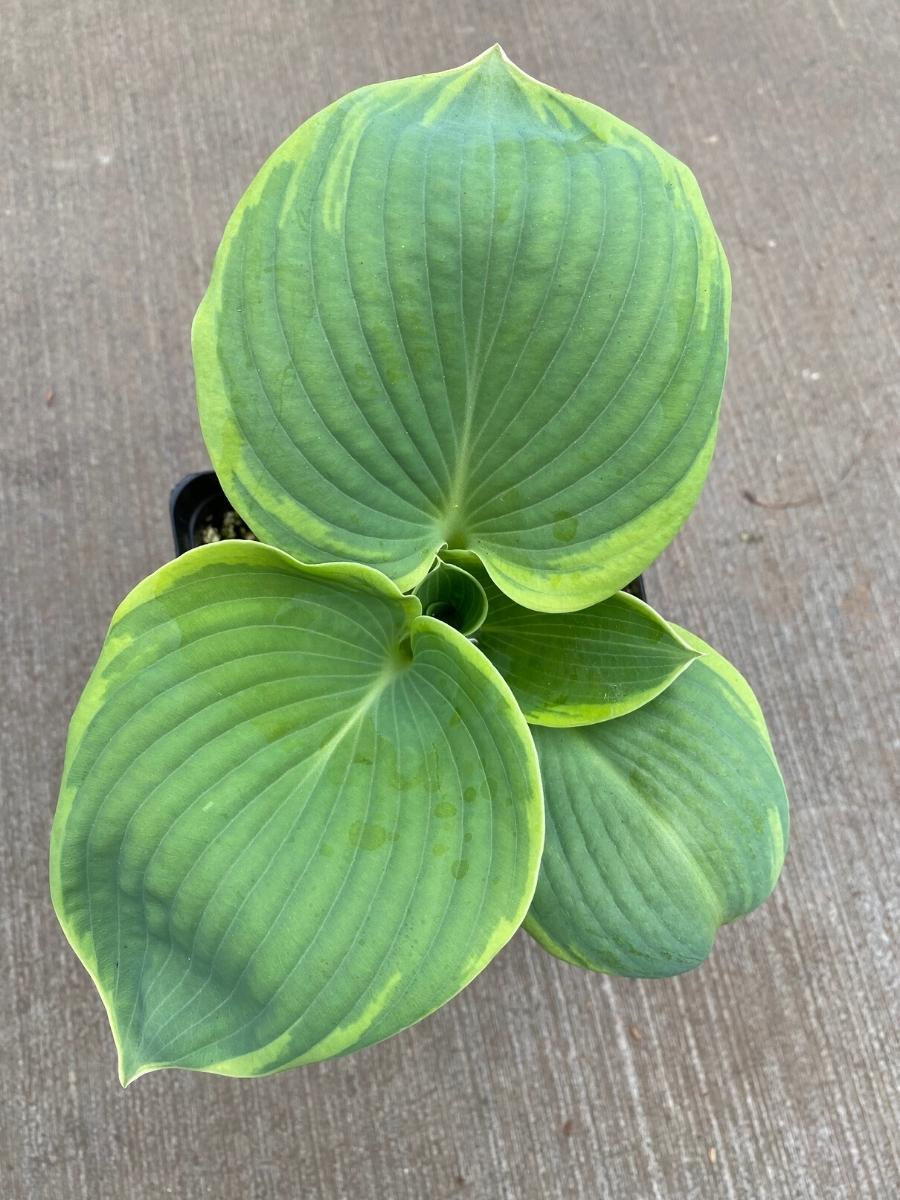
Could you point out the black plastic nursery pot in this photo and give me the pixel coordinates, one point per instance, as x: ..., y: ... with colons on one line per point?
x: 202, y: 513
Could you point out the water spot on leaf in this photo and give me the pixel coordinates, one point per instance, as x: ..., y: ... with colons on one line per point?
x: 638, y: 781
x: 445, y: 809
x: 460, y: 868
x: 566, y: 526
x: 367, y: 836
x: 469, y: 794
x: 157, y: 915
x: 438, y: 849
x: 326, y: 850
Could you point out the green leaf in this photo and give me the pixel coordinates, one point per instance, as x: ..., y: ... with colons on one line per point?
x: 578, y: 668
x: 466, y: 309
x: 296, y: 815
x: 451, y: 594
x: 661, y: 826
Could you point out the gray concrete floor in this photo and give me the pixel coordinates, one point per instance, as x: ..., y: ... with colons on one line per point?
x: 130, y: 130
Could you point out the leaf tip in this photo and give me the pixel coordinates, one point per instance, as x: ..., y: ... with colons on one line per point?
x: 494, y: 56
x: 131, y: 1066
x: 127, y: 1075
x: 690, y: 652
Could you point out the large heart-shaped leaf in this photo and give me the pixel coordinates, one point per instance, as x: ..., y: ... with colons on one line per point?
x: 296, y: 815
x: 466, y: 309
x: 578, y: 668
x: 661, y: 826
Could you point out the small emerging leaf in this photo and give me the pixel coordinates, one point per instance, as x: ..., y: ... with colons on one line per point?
x: 296, y: 816
x: 579, y: 668
x: 661, y: 826
x: 455, y: 596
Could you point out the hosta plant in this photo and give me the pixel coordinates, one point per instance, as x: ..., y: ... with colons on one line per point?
x: 459, y: 368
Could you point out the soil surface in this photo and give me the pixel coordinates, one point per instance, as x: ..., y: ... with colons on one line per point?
x: 223, y: 527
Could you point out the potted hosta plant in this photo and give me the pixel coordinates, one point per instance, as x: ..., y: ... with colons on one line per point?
x: 458, y: 369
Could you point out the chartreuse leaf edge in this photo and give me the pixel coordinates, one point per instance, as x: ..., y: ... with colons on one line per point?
x: 459, y: 367
x: 296, y: 815
x: 569, y: 669
x: 416, y: 280
x: 662, y: 826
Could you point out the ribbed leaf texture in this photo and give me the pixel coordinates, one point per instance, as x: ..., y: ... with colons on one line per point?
x: 296, y: 815
x: 661, y: 826
x: 466, y: 309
